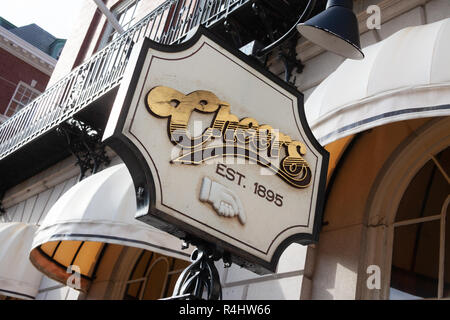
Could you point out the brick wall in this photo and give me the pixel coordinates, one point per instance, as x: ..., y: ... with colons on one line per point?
x: 13, y: 70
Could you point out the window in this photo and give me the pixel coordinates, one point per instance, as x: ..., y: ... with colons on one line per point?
x: 153, y: 276
x: 23, y: 95
x: 421, y: 248
x: 125, y: 14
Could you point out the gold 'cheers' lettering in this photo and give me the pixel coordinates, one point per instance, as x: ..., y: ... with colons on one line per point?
x: 244, y: 137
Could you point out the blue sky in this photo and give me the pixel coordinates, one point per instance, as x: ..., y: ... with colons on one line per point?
x: 55, y: 16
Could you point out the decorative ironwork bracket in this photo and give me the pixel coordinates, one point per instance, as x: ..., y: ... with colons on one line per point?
x: 260, y: 11
x: 84, y: 143
x: 288, y: 56
x: 287, y: 43
x: 200, y: 280
x: 234, y: 29
x: 2, y: 209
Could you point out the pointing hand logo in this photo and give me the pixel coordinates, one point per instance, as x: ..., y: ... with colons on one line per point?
x: 225, y: 201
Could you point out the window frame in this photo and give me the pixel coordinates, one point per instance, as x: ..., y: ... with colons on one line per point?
x: 144, y: 280
x: 13, y: 99
x: 442, y: 218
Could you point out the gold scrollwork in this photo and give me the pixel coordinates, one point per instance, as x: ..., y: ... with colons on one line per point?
x: 245, y: 137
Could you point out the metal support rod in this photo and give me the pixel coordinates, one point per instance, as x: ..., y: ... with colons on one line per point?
x: 109, y: 16
x: 84, y: 143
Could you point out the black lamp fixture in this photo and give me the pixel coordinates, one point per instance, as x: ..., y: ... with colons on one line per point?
x: 335, y: 29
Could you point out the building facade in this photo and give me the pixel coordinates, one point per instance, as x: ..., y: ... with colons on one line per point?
x: 28, y: 57
x: 383, y: 120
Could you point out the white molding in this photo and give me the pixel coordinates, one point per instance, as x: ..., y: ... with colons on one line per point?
x: 26, y: 52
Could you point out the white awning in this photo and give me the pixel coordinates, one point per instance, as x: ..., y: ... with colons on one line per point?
x: 406, y: 76
x: 18, y: 277
x: 98, y: 210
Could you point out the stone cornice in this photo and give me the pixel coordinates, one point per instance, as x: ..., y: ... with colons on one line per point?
x: 26, y: 52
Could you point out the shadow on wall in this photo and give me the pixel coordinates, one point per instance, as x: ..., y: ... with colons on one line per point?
x: 241, y: 284
x: 336, y: 268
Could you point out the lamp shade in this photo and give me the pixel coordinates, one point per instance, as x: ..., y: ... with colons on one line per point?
x: 335, y: 29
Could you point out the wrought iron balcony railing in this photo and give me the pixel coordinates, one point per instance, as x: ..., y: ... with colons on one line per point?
x: 167, y: 24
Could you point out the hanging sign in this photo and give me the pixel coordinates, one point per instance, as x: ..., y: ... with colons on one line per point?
x: 219, y: 150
